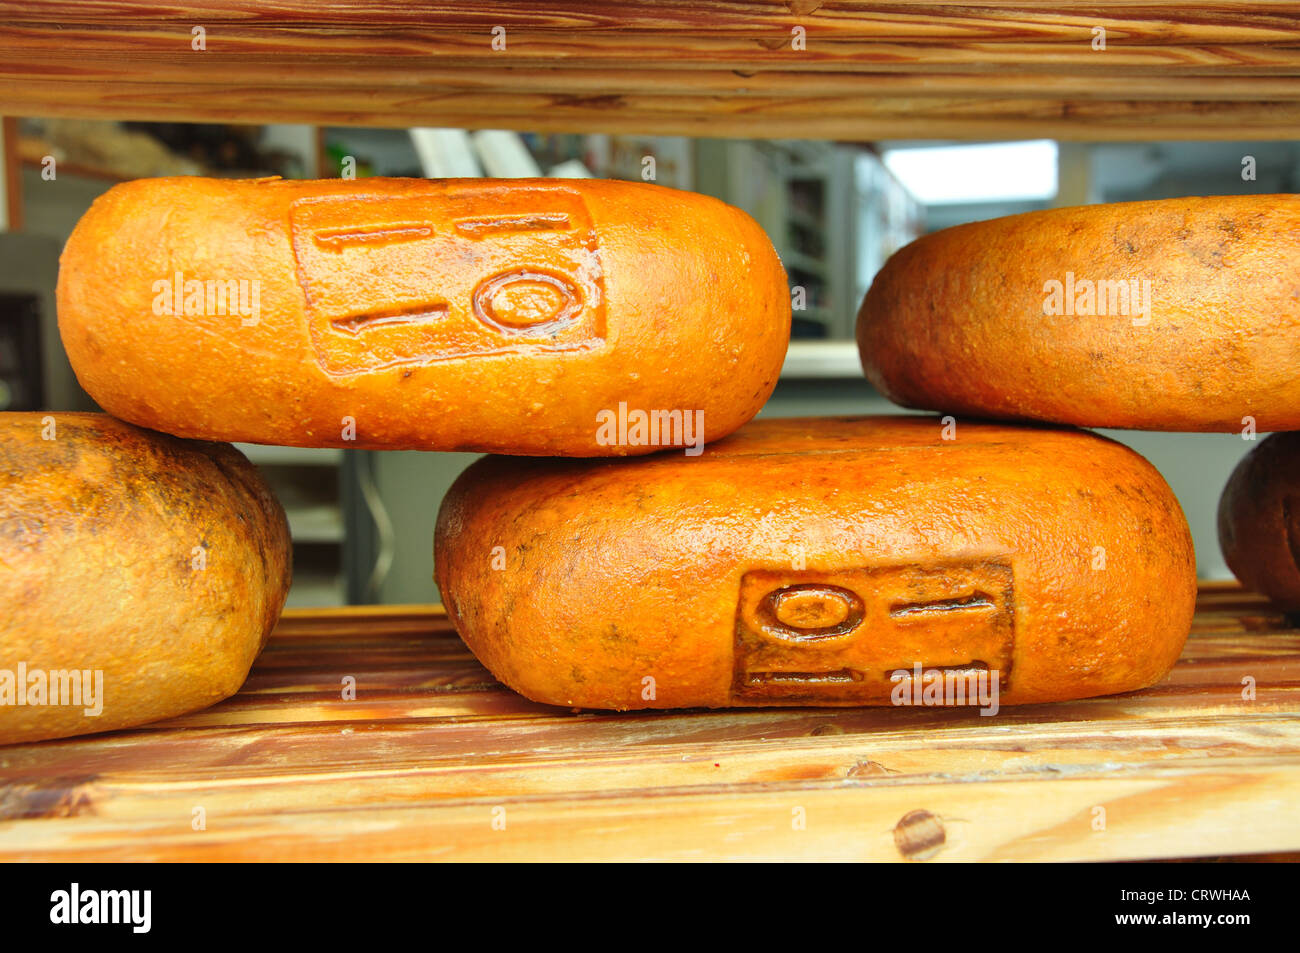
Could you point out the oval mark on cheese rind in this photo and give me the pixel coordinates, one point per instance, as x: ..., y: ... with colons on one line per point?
x: 810, y: 607
x: 527, y: 299
x: 810, y: 612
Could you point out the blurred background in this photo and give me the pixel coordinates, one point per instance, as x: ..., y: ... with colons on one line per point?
x: 834, y: 211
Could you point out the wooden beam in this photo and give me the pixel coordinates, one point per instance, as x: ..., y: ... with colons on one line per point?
x: 865, y: 70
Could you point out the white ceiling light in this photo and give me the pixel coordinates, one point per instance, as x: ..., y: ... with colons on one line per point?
x: 985, y: 172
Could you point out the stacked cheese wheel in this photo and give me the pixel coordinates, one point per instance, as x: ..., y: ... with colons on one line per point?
x: 823, y: 562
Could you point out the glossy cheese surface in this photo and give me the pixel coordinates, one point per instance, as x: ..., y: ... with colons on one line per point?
x: 507, y: 315
x: 807, y: 562
x: 1177, y: 314
x: 137, y: 568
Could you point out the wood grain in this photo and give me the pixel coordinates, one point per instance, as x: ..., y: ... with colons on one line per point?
x: 902, y: 69
x: 13, y: 175
x: 432, y: 751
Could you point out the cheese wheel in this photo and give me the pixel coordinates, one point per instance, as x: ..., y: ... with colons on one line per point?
x: 822, y: 562
x: 1259, y: 520
x: 1179, y: 314
x: 529, y: 316
x: 140, y: 574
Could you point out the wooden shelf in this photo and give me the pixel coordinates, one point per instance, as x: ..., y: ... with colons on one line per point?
x: 433, y: 749
x: 1170, y: 70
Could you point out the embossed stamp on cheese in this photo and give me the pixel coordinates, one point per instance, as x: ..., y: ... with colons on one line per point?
x: 819, y: 636
x: 494, y: 270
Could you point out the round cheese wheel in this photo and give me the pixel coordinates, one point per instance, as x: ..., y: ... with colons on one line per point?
x: 1180, y: 314
x: 1259, y: 519
x: 823, y: 562
x: 528, y: 316
x: 140, y: 574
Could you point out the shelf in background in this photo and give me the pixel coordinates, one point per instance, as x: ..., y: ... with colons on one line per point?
x: 317, y: 591
x: 322, y: 523
x: 267, y: 455
x: 822, y: 359
x: 1169, y: 70
x: 433, y: 750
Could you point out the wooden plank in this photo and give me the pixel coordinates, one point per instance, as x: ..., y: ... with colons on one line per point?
x: 1154, y: 20
x: 416, y: 765
x: 434, y: 76
x: 868, y: 70
x: 13, y: 176
x: 1153, y: 814
x: 879, y: 117
x: 147, y: 47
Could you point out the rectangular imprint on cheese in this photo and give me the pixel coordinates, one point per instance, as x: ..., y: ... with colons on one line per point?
x: 447, y: 272
x: 839, y: 636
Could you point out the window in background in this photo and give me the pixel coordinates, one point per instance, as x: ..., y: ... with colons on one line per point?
x: 982, y: 172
